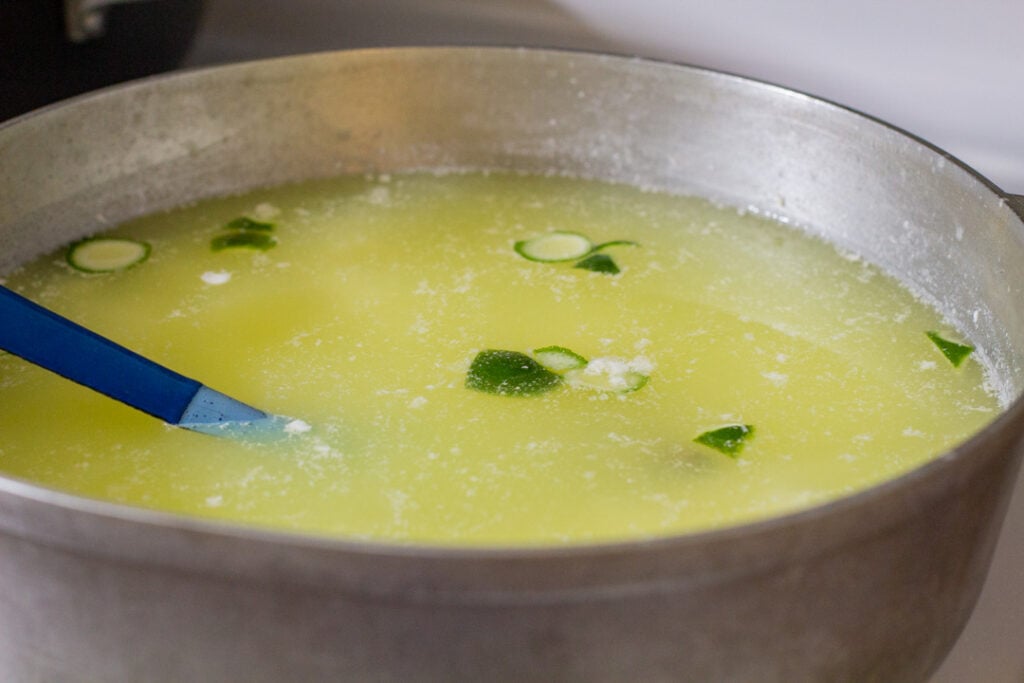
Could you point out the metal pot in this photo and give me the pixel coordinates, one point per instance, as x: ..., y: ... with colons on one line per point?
x: 874, y: 587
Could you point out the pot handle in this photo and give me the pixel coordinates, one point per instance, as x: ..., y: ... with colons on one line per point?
x: 84, y: 19
x: 1016, y: 202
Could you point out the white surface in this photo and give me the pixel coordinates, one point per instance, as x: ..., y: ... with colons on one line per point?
x: 950, y: 71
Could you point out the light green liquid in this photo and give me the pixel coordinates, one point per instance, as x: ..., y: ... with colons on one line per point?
x: 363, y: 320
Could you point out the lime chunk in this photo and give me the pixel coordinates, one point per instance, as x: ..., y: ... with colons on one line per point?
x: 559, y: 358
x: 955, y: 353
x: 599, y: 263
x: 729, y: 439
x: 509, y: 373
x: 106, y: 254
x: 555, y: 246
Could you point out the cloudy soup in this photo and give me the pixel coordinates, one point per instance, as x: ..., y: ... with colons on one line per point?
x: 492, y: 359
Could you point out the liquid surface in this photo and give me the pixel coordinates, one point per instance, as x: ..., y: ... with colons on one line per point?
x: 364, y: 317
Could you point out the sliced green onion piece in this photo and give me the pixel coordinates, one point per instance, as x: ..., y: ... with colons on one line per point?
x: 249, y: 240
x: 559, y: 358
x: 509, y: 373
x: 729, y: 439
x: 599, y: 263
x: 555, y: 246
x: 106, y: 254
x: 616, y: 243
x: 246, y: 223
x: 955, y: 353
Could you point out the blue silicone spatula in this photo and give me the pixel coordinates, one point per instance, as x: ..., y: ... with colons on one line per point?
x: 51, y: 341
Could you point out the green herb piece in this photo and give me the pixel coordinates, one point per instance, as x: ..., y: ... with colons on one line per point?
x: 554, y: 246
x: 616, y: 243
x: 559, y: 358
x: 246, y: 223
x: 106, y: 254
x: 509, y: 373
x: 246, y: 233
x: 955, y: 353
x: 729, y: 439
x: 599, y: 263
x: 245, y: 239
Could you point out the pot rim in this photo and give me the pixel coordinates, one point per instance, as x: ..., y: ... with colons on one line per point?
x: 1008, y: 425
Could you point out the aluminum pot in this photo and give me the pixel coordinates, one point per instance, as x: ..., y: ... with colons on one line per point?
x: 873, y: 587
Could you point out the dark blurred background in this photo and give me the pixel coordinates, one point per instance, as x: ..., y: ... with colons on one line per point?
x: 43, y: 60
x: 947, y: 70
x: 53, y: 49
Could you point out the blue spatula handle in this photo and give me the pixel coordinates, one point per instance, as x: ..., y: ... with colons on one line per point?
x: 44, y: 338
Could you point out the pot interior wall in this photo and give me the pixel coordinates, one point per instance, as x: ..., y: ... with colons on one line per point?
x: 872, y: 190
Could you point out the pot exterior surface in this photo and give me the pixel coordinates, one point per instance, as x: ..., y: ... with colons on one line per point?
x: 871, y: 588
x: 885, y: 608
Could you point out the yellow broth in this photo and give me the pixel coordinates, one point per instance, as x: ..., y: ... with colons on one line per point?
x: 363, y: 320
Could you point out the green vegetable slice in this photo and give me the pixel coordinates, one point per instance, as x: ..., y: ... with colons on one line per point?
x: 619, y: 383
x: 245, y: 239
x: 246, y: 223
x: 559, y: 358
x: 729, y: 439
x: 106, y: 254
x: 955, y: 353
x: 509, y: 373
x: 616, y: 243
x: 599, y: 263
x: 555, y: 246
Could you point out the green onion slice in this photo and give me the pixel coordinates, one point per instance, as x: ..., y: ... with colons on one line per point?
x: 246, y: 223
x: 616, y: 243
x: 245, y: 239
x: 106, y: 254
x: 729, y: 439
x: 509, y: 373
x: 559, y: 358
x: 555, y: 246
x: 955, y: 353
